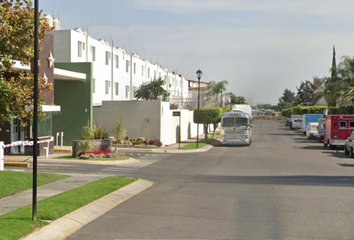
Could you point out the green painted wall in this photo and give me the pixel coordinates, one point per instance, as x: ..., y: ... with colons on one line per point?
x: 75, y: 99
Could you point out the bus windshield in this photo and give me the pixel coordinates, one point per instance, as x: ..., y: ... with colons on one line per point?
x: 235, y: 122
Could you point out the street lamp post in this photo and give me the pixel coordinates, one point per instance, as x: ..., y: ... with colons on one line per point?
x: 35, y: 109
x: 199, y: 75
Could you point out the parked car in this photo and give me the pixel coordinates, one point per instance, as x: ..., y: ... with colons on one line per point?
x: 288, y: 122
x: 321, y: 129
x: 308, y: 118
x: 349, y: 146
x: 312, y: 131
x: 296, y: 124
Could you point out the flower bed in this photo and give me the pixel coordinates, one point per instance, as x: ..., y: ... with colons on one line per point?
x: 95, y: 154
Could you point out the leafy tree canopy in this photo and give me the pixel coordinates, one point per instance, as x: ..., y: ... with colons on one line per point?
x: 288, y: 96
x: 17, y: 43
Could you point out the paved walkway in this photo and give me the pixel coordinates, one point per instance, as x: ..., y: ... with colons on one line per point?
x: 70, y: 223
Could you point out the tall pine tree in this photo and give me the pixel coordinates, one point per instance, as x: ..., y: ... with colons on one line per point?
x: 334, y: 65
x: 332, y: 88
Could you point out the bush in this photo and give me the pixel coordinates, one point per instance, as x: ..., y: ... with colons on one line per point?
x: 99, y: 132
x: 85, y: 146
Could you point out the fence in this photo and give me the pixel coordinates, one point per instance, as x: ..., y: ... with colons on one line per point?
x: 20, y: 143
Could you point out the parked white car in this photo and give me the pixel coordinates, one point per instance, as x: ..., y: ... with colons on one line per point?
x: 296, y: 124
x: 312, y: 130
x: 349, y: 146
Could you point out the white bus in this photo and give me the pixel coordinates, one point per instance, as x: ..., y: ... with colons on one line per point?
x: 236, y: 128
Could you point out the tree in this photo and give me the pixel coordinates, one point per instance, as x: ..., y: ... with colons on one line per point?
x: 119, y: 132
x: 287, y: 100
x: 346, y: 80
x: 152, y: 90
x: 288, y: 96
x: 208, y: 116
x: 215, y: 88
x: 332, y: 86
x: 238, y: 100
x: 307, y: 92
x: 16, y: 43
x: 304, y: 93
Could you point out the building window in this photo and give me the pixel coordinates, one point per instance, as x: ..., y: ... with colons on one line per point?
x: 127, y: 65
x: 116, y: 88
x: 142, y: 70
x: 93, y: 53
x: 154, y: 73
x: 117, y: 61
x: 108, y: 56
x: 80, y: 47
x: 134, y: 68
x: 127, y: 91
x: 148, y: 72
x: 107, y: 87
x: 94, y: 85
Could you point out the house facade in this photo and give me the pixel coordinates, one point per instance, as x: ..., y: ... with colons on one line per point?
x: 14, y: 131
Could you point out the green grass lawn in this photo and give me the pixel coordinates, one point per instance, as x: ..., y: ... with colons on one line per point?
x: 70, y: 157
x: 14, y: 182
x: 201, y: 142
x: 18, y: 223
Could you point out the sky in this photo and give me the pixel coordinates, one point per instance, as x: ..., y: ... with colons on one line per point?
x: 261, y: 47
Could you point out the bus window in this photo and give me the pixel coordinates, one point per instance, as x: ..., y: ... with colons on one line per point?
x: 228, y: 122
x: 241, y: 122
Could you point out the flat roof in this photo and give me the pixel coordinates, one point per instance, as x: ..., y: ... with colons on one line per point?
x: 59, y: 73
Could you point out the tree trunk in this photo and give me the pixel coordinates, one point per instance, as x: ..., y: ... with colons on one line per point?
x: 206, y: 133
x: 215, y: 125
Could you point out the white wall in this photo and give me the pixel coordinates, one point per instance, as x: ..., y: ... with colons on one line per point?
x: 163, y: 125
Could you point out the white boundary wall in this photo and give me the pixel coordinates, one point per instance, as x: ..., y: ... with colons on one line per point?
x: 163, y: 125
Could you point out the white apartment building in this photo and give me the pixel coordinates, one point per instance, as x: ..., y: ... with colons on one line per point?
x: 116, y: 74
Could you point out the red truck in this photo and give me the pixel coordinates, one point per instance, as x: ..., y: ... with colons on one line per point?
x: 338, y: 129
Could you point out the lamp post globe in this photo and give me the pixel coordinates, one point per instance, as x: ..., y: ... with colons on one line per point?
x: 199, y: 76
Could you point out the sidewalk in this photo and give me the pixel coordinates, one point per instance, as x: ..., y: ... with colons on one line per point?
x: 23, y: 161
x: 72, y: 222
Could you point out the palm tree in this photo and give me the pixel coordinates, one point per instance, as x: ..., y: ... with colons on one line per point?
x: 215, y: 88
x: 152, y: 90
x: 346, y: 73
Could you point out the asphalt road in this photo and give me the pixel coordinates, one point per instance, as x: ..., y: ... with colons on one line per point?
x: 281, y: 187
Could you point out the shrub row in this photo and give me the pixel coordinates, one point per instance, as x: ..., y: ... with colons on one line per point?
x: 299, y: 110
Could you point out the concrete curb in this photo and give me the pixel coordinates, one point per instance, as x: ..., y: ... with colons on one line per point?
x: 203, y: 149
x: 67, y: 225
x: 16, y: 164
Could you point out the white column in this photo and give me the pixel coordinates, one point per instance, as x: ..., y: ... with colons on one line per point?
x: 1, y: 156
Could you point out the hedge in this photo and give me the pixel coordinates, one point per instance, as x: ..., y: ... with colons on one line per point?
x: 299, y: 110
x: 208, y: 115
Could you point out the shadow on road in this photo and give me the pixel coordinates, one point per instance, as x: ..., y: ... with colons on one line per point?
x: 278, y: 134
x: 231, y: 146
x: 305, y: 180
x: 345, y: 165
x: 336, y: 154
x: 314, y: 147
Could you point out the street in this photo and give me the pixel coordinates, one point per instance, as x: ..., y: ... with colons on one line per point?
x: 281, y: 187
